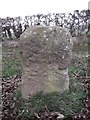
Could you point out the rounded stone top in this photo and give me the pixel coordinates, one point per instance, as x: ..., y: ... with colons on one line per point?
x: 51, y: 45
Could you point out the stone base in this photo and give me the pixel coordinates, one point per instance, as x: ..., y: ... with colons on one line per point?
x: 52, y: 80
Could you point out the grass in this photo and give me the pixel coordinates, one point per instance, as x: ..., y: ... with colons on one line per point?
x: 11, y: 67
x: 11, y: 62
x: 69, y: 102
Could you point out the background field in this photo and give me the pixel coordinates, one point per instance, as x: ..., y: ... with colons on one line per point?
x: 68, y: 103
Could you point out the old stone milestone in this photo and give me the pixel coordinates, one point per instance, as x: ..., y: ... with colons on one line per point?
x: 45, y: 53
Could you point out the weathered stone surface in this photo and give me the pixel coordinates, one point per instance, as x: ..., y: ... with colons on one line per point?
x: 45, y: 53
